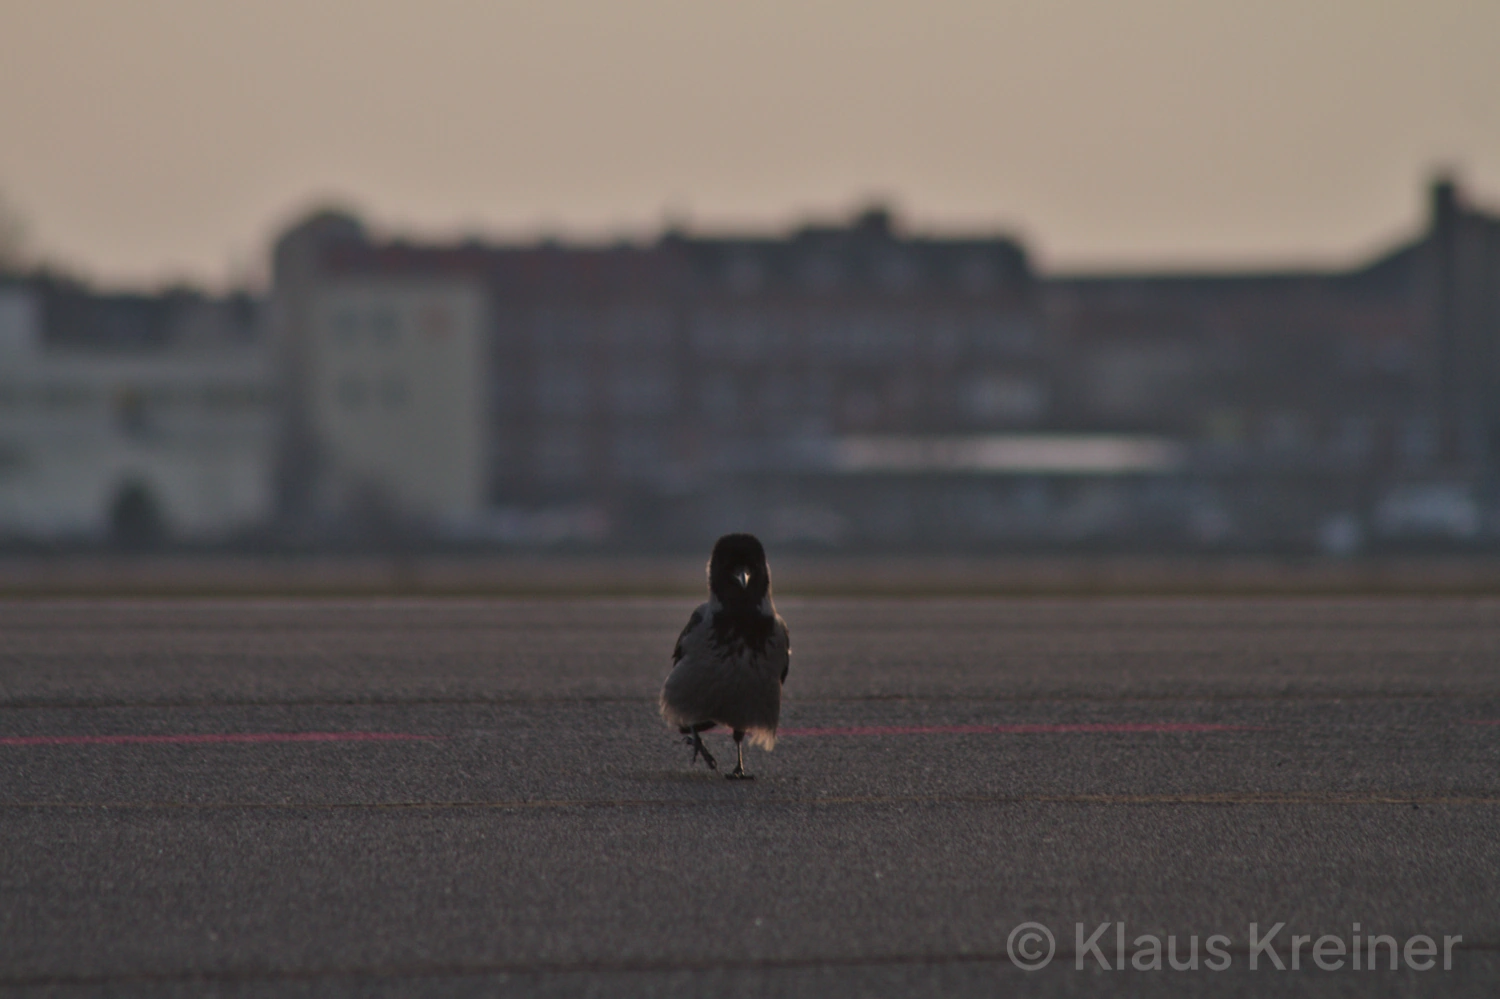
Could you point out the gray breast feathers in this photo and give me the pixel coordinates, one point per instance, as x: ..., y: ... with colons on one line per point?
x: 728, y: 671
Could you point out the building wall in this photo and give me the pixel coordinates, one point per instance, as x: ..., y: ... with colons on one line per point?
x: 398, y: 375
x: 699, y: 383
x: 187, y: 431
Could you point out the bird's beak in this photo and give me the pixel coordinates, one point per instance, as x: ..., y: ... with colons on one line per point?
x: 744, y: 578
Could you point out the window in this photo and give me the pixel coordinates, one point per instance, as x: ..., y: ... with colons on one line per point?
x: 633, y: 331
x: 996, y: 335
x: 745, y: 337
x: 394, y: 393
x: 719, y: 398
x: 562, y: 331
x: 63, y: 397
x: 1355, y: 438
x: 385, y: 328
x: 1418, y: 441
x: 1284, y: 433
x: 821, y: 273
x: 1003, y: 398
x: 225, y: 398
x: 636, y: 455
x: 560, y: 455
x: 561, y: 390
x: 344, y: 327
x: 351, y: 392
x: 641, y: 390
x: 779, y: 395
x: 977, y: 276
x: 898, y: 273
x: 131, y: 414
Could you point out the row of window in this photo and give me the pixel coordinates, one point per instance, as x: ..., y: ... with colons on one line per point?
x: 562, y: 454
x: 893, y: 272
x: 384, y: 326
x: 880, y: 337
x: 640, y: 391
x: 62, y: 397
x: 624, y: 329
x: 992, y: 397
x: 829, y: 337
x: 1414, y: 439
x: 390, y: 393
x: 378, y: 326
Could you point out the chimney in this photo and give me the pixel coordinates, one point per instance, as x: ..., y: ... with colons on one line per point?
x: 1444, y: 199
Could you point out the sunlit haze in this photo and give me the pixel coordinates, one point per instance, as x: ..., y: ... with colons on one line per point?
x: 157, y: 140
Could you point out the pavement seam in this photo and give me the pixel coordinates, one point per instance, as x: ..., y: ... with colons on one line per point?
x: 1229, y: 798
x: 549, y: 700
x: 1061, y: 959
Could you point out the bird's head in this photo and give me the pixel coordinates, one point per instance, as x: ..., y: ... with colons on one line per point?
x: 737, y: 573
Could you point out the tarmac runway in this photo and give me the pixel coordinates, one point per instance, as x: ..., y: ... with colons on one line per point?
x: 475, y: 797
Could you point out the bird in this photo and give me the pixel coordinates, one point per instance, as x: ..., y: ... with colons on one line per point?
x: 731, y: 660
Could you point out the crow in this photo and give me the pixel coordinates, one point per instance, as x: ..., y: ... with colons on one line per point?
x: 732, y: 658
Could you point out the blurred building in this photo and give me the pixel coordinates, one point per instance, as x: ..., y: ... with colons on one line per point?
x: 845, y: 385
x: 856, y: 384
x: 1327, y: 409
x: 398, y: 381
x: 137, y: 418
x: 642, y: 393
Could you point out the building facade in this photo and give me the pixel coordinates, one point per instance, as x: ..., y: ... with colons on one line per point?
x: 854, y: 384
x: 1320, y: 409
x: 137, y: 419
x: 672, y: 390
x: 398, y: 378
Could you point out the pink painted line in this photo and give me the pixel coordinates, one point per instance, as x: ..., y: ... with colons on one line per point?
x: 219, y: 737
x: 1126, y: 727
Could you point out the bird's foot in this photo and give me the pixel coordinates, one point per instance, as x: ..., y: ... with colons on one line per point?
x: 699, y: 749
x: 739, y: 774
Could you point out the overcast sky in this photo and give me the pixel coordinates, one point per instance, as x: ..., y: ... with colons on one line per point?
x: 147, y: 140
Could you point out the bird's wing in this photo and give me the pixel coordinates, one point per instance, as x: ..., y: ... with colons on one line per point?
x: 786, y: 642
x: 693, y: 622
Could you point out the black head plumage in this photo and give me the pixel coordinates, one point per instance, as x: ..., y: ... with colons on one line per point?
x: 737, y: 572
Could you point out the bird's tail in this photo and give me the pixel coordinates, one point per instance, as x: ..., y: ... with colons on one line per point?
x: 765, y: 738
x: 671, y: 715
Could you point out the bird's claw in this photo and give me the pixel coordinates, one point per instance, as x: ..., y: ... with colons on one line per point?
x: 699, y: 749
x: 739, y: 774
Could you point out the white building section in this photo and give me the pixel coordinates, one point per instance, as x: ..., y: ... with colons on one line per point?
x: 398, y: 375
x: 1010, y: 454
x: 172, y: 444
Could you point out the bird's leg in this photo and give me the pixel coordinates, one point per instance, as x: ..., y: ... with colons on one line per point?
x: 739, y: 763
x: 695, y: 740
x: 700, y: 748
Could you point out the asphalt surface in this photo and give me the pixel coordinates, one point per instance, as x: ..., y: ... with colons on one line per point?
x: 451, y: 797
